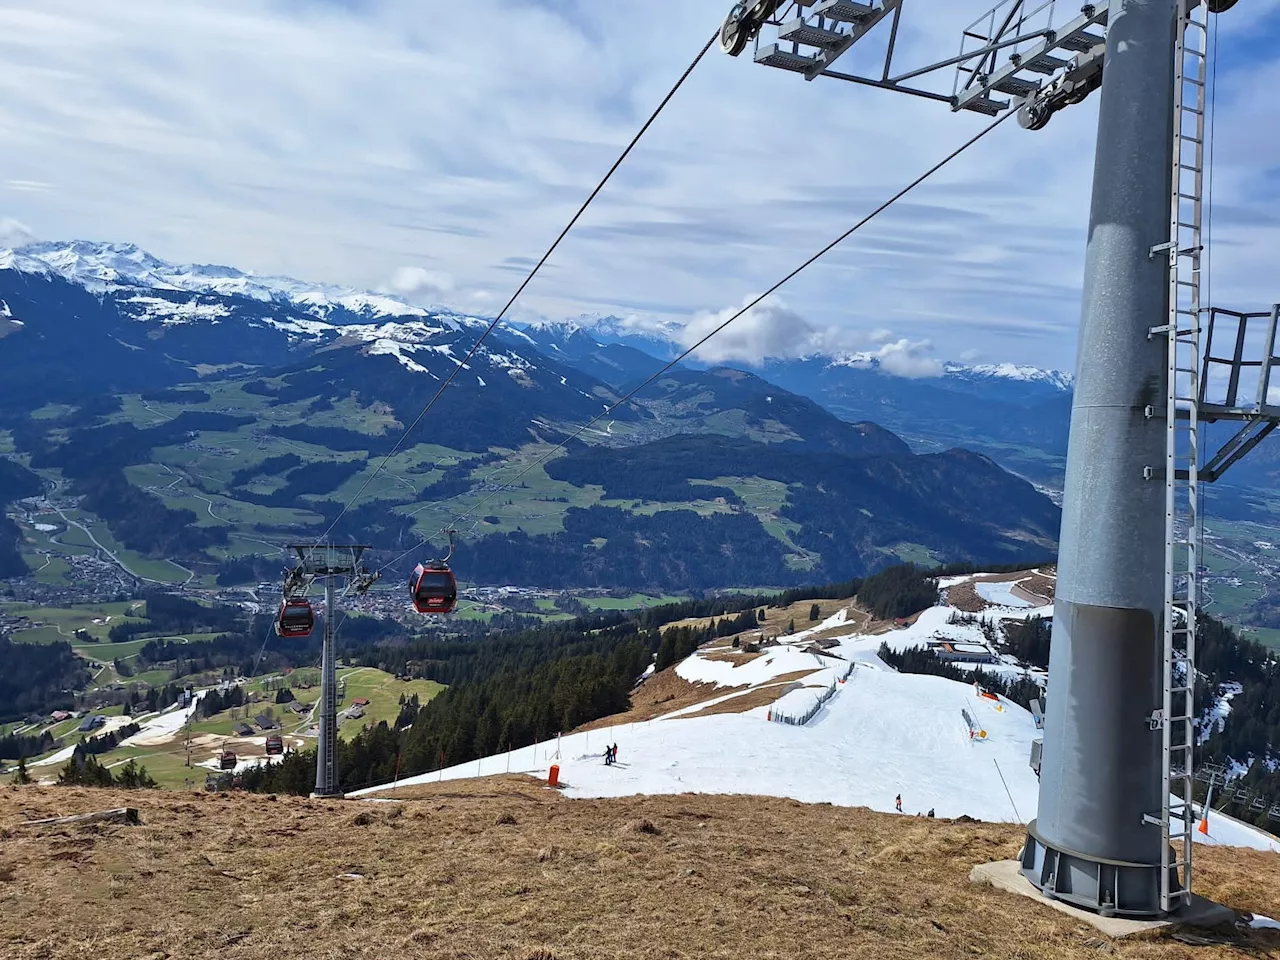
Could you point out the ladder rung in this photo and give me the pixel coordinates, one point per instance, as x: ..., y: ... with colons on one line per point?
x: 1186, y: 139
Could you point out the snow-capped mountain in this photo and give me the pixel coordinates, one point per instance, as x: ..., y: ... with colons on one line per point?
x: 659, y: 341
x: 101, y: 267
x: 1021, y: 373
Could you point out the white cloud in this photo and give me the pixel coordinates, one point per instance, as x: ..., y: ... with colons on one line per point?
x: 417, y: 283
x: 909, y: 358
x: 339, y: 141
x: 971, y: 355
x: 768, y: 330
x: 14, y: 234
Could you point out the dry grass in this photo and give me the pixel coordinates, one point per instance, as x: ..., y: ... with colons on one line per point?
x: 1034, y: 586
x: 735, y: 657
x: 760, y: 696
x: 662, y: 693
x: 451, y: 876
x: 1037, y: 588
x: 963, y: 596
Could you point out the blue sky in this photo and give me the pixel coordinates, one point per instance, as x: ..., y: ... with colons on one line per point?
x: 436, y: 147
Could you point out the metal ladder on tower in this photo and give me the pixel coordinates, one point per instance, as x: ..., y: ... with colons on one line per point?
x: 1182, y: 521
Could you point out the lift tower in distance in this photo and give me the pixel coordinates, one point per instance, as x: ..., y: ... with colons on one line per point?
x: 1116, y: 817
x: 329, y: 563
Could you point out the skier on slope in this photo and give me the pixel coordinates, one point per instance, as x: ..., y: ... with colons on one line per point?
x: 615, y: 753
x: 898, y: 803
x: 608, y: 755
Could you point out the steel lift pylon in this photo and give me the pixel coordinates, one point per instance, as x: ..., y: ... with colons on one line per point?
x: 1116, y: 816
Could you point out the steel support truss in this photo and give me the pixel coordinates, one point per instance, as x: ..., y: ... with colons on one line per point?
x: 1238, y: 386
x: 1018, y: 53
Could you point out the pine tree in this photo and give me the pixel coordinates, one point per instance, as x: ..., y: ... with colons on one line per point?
x: 814, y: 612
x: 22, y: 777
x: 666, y: 651
x: 760, y: 615
x: 791, y: 626
x: 134, y: 777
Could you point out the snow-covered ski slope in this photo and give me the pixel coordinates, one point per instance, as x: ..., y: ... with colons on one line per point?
x: 882, y: 734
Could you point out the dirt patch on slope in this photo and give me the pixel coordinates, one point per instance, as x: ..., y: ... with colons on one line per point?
x: 760, y: 696
x: 662, y: 693
x: 505, y: 868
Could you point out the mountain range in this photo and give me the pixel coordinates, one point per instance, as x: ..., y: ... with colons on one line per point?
x: 736, y: 474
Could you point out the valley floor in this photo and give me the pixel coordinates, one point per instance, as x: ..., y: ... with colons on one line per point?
x: 507, y: 868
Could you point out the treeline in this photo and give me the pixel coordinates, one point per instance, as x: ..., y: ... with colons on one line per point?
x: 142, y: 522
x: 16, y: 483
x: 679, y: 642
x: 237, y: 648
x: 311, y: 478
x: 269, y: 467
x: 1251, y: 731
x: 234, y: 571
x: 15, y: 746
x: 610, y: 547
x: 215, y: 701
x: 370, y: 638
x: 84, y: 770
x: 925, y: 661
x: 94, y: 457
x: 1028, y: 640
x: 169, y: 613
x: 36, y: 678
x: 830, y: 591
x: 506, y: 692
x: 898, y: 592
x: 108, y: 741
x: 88, y: 452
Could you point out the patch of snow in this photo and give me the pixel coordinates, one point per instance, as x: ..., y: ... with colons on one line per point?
x: 45, y: 527
x: 397, y: 350
x: 1228, y: 832
x: 480, y: 380
x: 171, y: 313
x: 772, y: 662
x: 1001, y: 594
x: 884, y: 734
x: 165, y: 726
x: 62, y: 756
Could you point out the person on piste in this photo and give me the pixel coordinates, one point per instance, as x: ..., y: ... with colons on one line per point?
x: 615, y: 753
x: 898, y: 803
x: 608, y: 755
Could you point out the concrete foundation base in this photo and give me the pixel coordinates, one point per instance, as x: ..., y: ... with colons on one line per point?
x: 327, y: 796
x: 1007, y: 875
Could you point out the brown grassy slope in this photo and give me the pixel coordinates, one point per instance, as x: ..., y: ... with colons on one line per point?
x: 505, y: 868
x: 661, y: 694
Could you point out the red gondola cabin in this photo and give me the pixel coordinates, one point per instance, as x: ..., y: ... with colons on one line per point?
x: 296, y: 618
x: 228, y: 760
x: 275, y: 745
x: 433, y: 588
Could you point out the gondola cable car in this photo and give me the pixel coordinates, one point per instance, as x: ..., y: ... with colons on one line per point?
x: 296, y: 618
x: 433, y: 587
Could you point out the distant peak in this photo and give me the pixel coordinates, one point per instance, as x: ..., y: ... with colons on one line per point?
x: 100, y: 266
